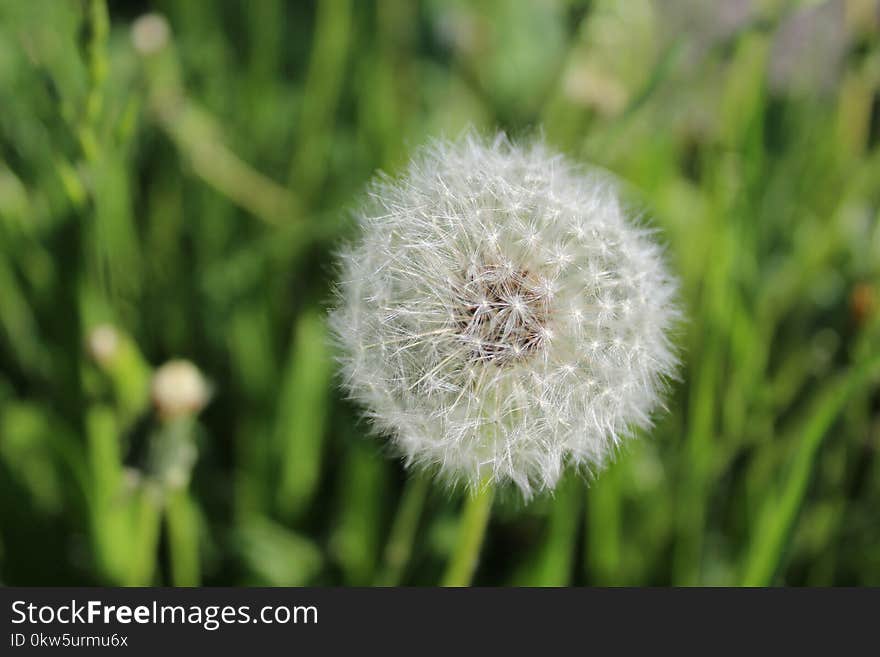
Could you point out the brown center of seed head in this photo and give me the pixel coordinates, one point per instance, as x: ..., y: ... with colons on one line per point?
x: 501, y: 313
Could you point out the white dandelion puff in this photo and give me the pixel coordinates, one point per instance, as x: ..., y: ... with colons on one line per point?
x: 500, y: 316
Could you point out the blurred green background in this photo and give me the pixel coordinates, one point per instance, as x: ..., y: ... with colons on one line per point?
x: 185, y: 181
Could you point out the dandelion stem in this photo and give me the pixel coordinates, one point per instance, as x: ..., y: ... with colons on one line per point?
x: 474, y: 520
x: 403, y: 531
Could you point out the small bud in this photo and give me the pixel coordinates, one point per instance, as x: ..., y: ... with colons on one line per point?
x: 179, y: 389
x: 150, y: 33
x: 103, y: 344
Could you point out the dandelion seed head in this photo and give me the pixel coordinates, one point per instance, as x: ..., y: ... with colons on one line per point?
x: 501, y: 316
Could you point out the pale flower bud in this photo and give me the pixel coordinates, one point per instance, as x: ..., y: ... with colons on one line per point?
x: 179, y: 389
x: 150, y: 33
x: 103, y: 344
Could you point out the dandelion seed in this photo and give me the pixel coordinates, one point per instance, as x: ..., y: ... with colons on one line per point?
x: 500, y: 315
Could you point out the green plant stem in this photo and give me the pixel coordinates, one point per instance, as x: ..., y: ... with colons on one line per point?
x: 147, y: 521
x: 474, y: 519
x: 403, y: 531
x: 195, y: 134
x: 98, y: 62
x: 183, y: 539
x: 300, y: 426
x: 201, y: 138
x: 108, y: 534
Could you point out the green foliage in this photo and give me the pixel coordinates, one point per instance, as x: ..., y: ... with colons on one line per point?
x: 190, y: 194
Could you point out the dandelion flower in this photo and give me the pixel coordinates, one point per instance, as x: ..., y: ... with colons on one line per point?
x: 500, y: 316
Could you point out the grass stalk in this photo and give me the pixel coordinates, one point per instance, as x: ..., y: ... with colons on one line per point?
x: 403, y: 531
x: 183, y: 538
x: 779, y: 515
